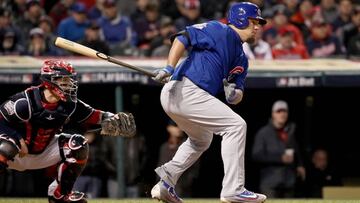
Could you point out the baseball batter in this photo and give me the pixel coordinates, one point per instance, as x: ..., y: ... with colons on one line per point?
x: 216, y: 63
x: 31, y: 125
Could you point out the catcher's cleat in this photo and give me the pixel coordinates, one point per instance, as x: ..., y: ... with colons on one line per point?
x: 245, y: 197
x: 162, y: 191
x: 73, y: 197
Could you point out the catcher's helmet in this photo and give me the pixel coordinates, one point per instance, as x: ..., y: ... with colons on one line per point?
x: 60, y: 77
x: 239, y: 14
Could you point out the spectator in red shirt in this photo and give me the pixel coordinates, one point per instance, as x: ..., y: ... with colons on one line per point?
x: 304, y: 16
x: 287, y: 48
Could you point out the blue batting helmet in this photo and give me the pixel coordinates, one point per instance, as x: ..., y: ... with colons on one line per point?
x: 239, y: 14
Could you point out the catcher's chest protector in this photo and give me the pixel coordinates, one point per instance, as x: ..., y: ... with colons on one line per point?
x: 44, y: 123
x: 46, y: 118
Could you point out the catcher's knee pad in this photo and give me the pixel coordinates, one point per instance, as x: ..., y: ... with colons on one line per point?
x: 74, y: 149
x: 8, y: 150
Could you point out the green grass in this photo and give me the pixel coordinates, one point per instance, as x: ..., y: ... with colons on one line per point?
x: 33, y: 200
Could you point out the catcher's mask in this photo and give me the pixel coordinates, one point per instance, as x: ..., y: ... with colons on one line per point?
x: 60, y: 78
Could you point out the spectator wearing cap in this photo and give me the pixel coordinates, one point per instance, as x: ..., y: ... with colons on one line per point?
x: 93, y: 39
x: 259, y: 49
x: 31, y: 17
x: 37, y: 45
x: 160, y: 45
x: 276, y: 151
x: 148, y: 28
x: 191, y: 15
x: 10, y: 44
x: 61, y: 10
x: 117, y: 29
x: 287, y: 48
x: 73, y: 27
x: 322, y: 43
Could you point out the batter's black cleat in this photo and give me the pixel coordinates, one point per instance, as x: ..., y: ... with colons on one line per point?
x: 73, y: 197
x: 162, y: 191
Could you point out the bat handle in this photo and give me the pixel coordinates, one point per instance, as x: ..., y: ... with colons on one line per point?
x: 116, y: 61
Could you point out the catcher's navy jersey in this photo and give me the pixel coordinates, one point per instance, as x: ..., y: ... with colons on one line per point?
x: 216, y: 53
x: 25, y: 115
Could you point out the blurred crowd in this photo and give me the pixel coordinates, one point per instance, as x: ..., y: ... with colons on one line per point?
x: 296, y: 29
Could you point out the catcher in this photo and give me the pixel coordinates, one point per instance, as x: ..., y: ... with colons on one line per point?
x: 31, y: 124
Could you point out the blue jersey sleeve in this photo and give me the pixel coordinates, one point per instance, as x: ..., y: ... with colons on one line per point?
x: 202, y: 35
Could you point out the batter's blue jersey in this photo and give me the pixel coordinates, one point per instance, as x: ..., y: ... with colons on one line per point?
x: 216, y: 53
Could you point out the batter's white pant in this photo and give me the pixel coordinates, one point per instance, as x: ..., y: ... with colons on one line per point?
x: 201, y: 115
x: 49, y: 157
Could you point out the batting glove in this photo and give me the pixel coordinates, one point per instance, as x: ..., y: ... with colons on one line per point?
x: 229, y: 89
x: 163, y: 75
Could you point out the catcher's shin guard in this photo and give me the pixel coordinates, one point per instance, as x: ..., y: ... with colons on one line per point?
x: 8, y: 150
x: 74, y: 150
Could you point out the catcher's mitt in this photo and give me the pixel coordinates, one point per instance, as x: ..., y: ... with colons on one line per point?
x: 121, y: 124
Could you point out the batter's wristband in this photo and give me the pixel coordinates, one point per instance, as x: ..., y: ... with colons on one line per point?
x: 169, y: 69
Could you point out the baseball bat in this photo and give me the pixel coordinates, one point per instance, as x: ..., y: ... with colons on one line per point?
x: 86, y: 51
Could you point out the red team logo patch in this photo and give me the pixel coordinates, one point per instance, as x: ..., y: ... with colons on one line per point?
x: 235, y: 71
